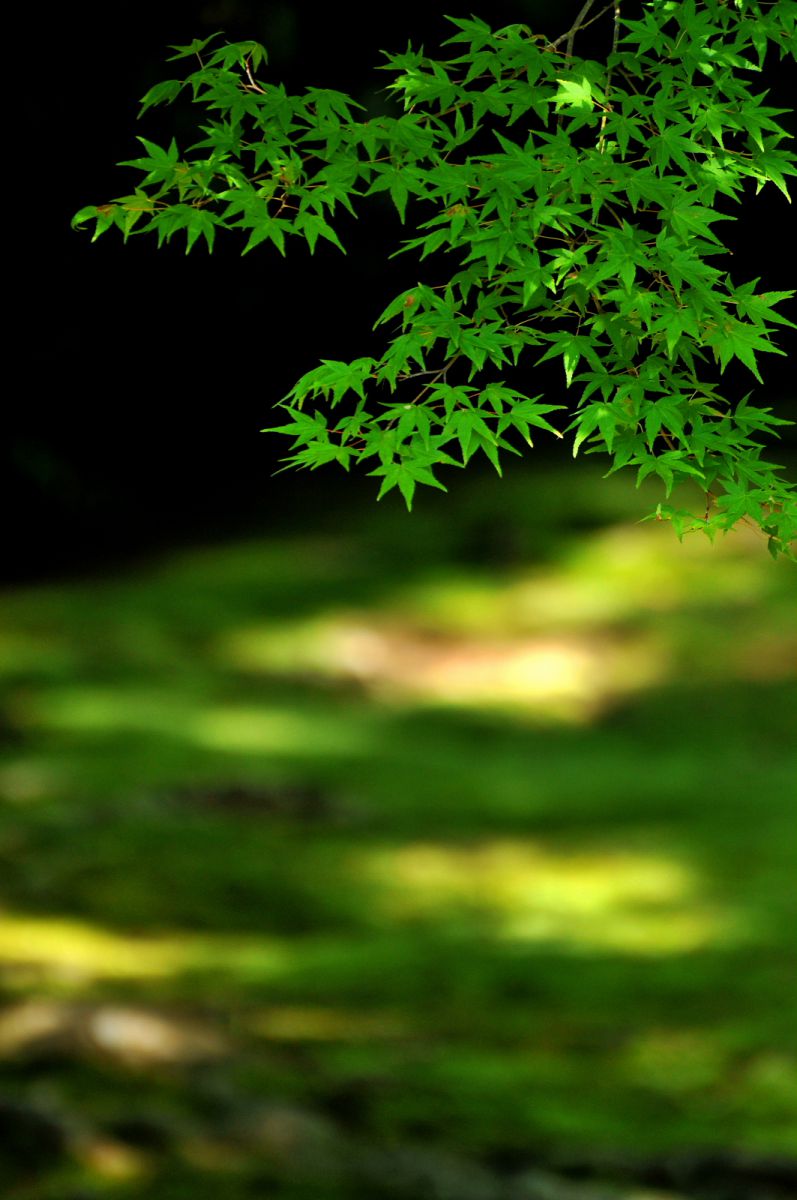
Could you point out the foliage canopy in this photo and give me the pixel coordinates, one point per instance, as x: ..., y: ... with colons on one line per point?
x: 565, y: 208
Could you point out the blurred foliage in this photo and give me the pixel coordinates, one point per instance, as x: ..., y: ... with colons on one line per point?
x: 403, y: 844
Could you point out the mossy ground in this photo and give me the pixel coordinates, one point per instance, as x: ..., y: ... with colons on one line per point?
x: 470, y: 829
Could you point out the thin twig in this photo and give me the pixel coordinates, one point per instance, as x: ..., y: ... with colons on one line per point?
x: 441, y: 374
x: 607, y: 110
x: 418, y: 374
x: 616, y: 33
x: 255, y: 87
x: 580, y: 22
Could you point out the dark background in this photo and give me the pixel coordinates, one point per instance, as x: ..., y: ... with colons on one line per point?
x: 143, y: 377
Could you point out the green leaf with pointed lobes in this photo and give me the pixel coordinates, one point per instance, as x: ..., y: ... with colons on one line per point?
x: 594, y: 231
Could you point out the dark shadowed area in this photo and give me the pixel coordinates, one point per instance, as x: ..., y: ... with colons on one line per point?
x: 144, y: 376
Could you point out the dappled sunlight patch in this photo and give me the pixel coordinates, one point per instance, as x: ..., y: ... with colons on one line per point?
x: 634, y: 903
x: 114, y: 1162
x: 234, y: 728
x: 612, y: 575
x: 138, y: 1037
x: 622, y: 612
x: 126, y: 1035
x: 641, y: 569
x: 76, y: 952
x: 264, y: 730
x: 686, y: 1064
x: 73, y: 954
x: 109, y: 709
x: 562, y: 677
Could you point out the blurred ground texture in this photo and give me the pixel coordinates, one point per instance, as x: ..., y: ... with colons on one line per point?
x: 446, y: 856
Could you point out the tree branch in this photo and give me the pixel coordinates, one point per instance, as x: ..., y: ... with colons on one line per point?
x: 580, y: 22
x: 607, y: 110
